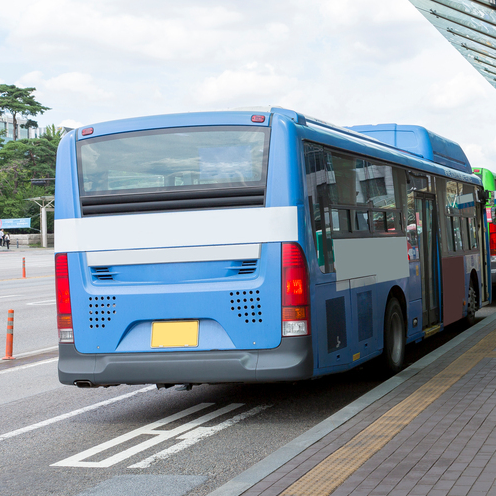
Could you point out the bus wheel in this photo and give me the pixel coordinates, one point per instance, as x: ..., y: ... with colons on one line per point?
x: 471, y: 305
x: 394, y: 337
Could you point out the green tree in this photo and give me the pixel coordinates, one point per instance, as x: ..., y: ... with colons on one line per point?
x: 20, y: 102
x: 20, y: 162
x: 52, y: 132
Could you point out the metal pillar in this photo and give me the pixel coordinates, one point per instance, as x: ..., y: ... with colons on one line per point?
x: 43, y: 202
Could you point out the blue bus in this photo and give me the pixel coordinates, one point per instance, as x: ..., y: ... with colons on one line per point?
x: 258, y: 246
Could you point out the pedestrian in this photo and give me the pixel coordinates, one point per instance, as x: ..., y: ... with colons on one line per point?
x: 6, y: 240
x: 1, y: 237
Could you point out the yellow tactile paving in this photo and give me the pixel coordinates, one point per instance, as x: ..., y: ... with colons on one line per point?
x: 337, y: 467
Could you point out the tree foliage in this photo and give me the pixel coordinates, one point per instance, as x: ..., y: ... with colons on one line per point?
x: 23, y: 160
x: 20, y: 102
x: 20, y: 162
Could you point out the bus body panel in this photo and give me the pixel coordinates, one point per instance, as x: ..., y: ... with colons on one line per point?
x: 420, y: 141
x: 192, y: 119
x: 291, y: 361
x: 454, y: 288
x: 235, y: 311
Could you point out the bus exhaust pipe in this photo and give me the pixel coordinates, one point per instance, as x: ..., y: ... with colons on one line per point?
x: 84, y: 384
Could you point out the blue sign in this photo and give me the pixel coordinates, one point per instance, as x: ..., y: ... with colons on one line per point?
x: 15, y: 223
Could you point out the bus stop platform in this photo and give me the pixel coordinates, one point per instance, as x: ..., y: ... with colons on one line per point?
x: 429, y: 430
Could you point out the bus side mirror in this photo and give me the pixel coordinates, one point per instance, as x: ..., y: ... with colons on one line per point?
x: 485, y: 195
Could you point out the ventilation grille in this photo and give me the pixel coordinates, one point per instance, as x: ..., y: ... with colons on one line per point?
x: 102, y: 274
x: 247, y: 305
x: 101, y: 311
x: 172, y: 200
x: 247, y: 267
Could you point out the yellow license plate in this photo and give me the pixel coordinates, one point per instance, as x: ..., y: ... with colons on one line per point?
x: 176, y: 334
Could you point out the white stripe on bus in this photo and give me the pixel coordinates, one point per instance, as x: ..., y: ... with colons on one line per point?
x: 177, y: 229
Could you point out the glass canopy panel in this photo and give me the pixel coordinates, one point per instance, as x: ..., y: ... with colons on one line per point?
x: 470, y: 26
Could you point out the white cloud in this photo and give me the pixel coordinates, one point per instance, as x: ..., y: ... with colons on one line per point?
x: 79, y: 84
x: 347, y: 61
x: 30, y: 79
x: 70, y: 123
x: 250, y: 84
x: 68, y: 84
x: 457, y: 91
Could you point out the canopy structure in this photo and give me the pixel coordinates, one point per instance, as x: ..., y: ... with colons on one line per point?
x: 470, y: 26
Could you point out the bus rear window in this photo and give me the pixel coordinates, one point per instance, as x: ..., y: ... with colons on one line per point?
x: 173, y: 160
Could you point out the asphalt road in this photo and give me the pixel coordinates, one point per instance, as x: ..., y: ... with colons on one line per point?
x: 60, y: 440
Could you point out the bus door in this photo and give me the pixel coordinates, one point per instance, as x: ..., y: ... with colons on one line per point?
x: 425, y: 211
x: 484, y: 234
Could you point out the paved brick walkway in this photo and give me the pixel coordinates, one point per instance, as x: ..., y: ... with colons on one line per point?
x: 434, y: 433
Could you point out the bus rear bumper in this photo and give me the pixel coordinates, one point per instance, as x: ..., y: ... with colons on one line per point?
x: 292, y: 360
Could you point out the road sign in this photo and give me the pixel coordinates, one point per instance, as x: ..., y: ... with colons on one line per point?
x: 15, y: 223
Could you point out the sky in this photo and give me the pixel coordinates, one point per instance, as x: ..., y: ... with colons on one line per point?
x: 346, y: 62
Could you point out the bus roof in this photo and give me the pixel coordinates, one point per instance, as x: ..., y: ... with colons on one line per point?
x: 416, y: 141
x: 487, y: 176
x: 421, y: 142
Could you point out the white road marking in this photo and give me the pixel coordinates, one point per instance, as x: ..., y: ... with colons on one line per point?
x: 45, y: 302
x: 10, y: 296
x: 159, y: 437
x: 36, y: 352
x: 28, y: 366
x: 65, y: 416
x: 196, y: 435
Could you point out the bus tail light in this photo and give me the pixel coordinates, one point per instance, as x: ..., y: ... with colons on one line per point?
x: 492, y: 239
x: 63, y: 295
x: 295, y: 291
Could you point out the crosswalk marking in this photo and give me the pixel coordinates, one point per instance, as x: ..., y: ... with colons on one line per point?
x: 159, y: 436
x: 196, y: 435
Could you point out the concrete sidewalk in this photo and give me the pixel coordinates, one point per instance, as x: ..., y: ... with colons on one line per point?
x: 430, y: 430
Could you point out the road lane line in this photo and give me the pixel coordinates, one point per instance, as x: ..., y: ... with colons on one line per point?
x: 65, y: 416
x: 28, y: 366
x: 196, y: 435
x: 10, y: 296
x: 25, y: 279
x: 36, y: 352
x: 44, y: 302
x: 159, y: 437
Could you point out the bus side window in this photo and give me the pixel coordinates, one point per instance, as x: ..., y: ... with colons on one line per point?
x: 464, y: 231
x: 457, y: 233
x: 472, y: 232
x: 361, y: 220
x: 379, y: 221
x: 320, y: 187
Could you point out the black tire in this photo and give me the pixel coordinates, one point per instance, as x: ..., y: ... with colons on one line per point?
x: 471, y: 305
x: 394, y: 337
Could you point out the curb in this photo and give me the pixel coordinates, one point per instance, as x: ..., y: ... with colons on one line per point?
x: 244, y: 481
